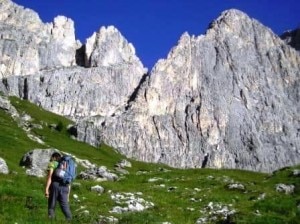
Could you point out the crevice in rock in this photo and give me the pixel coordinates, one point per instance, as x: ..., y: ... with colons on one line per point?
x: 72, y: 130
x: 25, y: 90
x: 205, y: 160
x: 157, y: 130
x: 177, y: 131
x: 5, y: 83
x: 80, y: 56
x: 186, y: 123
x: 243, y: 97
x: 136, y: 90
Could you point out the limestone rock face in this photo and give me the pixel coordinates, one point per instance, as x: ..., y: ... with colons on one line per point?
x: 27, y: 45
x: 227, y: 99
x: 51, y: 80
x: 8, y: 107
x: 4, y: 103
x: 109, y: 47
x: 77, y: 92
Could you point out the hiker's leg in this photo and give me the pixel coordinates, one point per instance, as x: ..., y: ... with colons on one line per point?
x: 53, y: 194
x: 64, y: 202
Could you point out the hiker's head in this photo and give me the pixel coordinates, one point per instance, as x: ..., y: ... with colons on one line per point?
x: 55, y: 156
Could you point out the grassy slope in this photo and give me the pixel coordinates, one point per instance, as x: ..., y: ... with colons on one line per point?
x: 174, y: 205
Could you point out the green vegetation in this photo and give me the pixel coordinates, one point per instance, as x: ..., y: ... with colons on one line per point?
x: 178, y: 195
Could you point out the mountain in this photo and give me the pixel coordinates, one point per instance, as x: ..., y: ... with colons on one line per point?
x: 54, y: 82
x: 28, y: 45
x: 226, y: 99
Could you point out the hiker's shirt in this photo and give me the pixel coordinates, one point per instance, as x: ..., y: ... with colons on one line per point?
x: 56, y: 176
x: 52, y: 165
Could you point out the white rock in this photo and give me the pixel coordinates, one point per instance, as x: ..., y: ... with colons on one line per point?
x: 3, y: 167
x: 135, y: 207
x: 98, y: 189
x: 287, y: 189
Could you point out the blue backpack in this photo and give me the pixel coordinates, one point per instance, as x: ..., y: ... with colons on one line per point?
x: 66, y: 170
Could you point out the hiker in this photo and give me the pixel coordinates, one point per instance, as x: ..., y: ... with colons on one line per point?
x: 56, y: 190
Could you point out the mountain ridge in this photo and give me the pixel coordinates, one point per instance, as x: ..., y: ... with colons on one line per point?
x: 171, y: 118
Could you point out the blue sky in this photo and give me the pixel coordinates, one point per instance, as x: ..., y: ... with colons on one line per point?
x: 155, y: 26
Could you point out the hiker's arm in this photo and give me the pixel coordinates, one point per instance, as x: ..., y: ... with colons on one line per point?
x: 48, y: 183
x: 69, y: 192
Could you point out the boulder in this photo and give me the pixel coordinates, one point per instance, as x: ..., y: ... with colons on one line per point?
x: 99, y: 174
x: 3, y: 167
x: 287, y: 189
x: 36, y: 161
x: 98, y: 189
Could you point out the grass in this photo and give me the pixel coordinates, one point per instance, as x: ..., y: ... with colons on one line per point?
x: 178, y: 195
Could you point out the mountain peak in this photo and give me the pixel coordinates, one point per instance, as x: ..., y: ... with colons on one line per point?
x: 236, y: 22
x: 230, y: 17
x: 109, y: 47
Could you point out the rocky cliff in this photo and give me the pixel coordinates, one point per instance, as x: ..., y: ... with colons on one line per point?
x: 27, y: 45
x: 226, y: 99
x: 44, y: 64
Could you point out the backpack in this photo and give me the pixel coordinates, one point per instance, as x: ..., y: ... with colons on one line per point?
x: 66, y: 170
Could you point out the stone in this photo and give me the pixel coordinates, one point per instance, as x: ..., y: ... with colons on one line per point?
x: 121, y: 171
x: 296, y: 172
x: 216, y: 212
x: 120, y: 166
x: 75, y: 196
x: 154, y: 179
x: 236, y: 186
x: 4, y: 103
x: 36, y: 161
x: 109, y: 219
x: 117, y: 209
x: 6, y: 106
x: 98, y: 173
x: 3, y: 167
x: 124, y: 164
x: 287, y: 189
x: 98, y: 189
x: 170, y: 189
x: 261, y: 196
x: 135, y: 207
x: 133, y: 201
